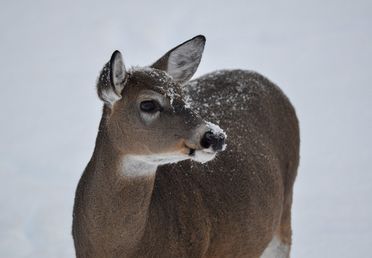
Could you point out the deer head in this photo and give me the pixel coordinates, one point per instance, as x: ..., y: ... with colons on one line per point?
x: 145, y: 112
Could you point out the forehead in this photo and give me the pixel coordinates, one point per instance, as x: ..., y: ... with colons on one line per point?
x: 156, y: 80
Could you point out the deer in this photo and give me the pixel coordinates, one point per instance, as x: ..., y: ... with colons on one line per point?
x: 165, y: 180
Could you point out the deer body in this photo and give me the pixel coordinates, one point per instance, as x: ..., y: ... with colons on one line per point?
x: 140, y: 202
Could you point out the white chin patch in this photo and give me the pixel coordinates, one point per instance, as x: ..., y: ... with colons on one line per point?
x: 163, y: 158
x: 143, y: 165
x: 204, y: 155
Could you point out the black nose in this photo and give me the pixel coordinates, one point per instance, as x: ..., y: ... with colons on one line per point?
x: 214, y: 140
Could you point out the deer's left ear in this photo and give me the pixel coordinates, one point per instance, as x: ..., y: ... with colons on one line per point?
x: 182, y: 61
x: 112, y: 79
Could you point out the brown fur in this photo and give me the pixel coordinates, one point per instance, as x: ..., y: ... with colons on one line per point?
x: 229, y: 207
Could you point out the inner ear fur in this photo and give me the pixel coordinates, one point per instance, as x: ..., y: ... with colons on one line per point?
x: 111, y: 80
x: 182, y: 61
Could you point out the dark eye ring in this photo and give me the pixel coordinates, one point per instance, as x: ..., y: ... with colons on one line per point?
x: 150, y: 106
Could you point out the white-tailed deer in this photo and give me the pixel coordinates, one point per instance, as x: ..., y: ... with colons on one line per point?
x: 154, y: 186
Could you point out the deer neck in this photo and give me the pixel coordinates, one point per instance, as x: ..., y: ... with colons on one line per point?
x: 121, y: 186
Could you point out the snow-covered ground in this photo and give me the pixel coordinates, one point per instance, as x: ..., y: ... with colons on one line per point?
x: 318, y: 51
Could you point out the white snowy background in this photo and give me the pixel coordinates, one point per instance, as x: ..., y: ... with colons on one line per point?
x: 319, y: 52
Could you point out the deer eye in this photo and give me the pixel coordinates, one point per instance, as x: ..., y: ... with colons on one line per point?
x: 150, y: 106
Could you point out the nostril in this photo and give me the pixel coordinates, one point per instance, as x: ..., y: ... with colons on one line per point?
x: 207, y: 140
x: 220, y: 141
x: 220, y: 138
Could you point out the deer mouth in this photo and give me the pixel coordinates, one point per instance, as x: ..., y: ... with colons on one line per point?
x: 191, y: 152
x: 189, y: 149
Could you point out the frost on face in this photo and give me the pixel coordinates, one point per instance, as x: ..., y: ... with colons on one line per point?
x: 165, y: 83
x: 104, y: 88
x: 188, y: 101
x: 216, y: 129
x: 172, y: 94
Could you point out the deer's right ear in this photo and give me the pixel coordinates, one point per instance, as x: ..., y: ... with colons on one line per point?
x: 112, y: 79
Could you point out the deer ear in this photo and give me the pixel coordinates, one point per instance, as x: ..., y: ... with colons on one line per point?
x: 182, y: 61
x: 111, y: 80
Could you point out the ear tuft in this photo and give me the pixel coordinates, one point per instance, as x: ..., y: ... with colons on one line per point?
x: 182, y: 61
x: 112, y: 79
